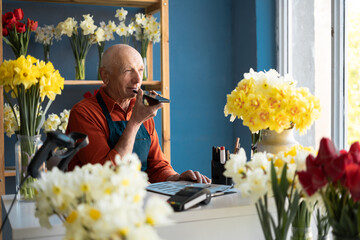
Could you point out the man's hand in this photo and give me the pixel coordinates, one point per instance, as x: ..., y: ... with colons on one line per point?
x: 141, y: 113
x: 190, y: 175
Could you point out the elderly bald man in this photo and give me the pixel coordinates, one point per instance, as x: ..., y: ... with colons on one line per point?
x: 117, y: 122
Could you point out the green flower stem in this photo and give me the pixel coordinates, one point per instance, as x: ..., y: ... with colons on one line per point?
x: 46, y: 53
x: 80, y: 45
x: 101, y: 48
x: 144, y: 47
x: 286, y: 207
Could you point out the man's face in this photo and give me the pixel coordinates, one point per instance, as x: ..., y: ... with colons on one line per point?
x: 125, y: 76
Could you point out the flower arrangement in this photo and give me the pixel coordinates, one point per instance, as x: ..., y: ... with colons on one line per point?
x: 101, y: 35
x: 16, y: 34
x: 122, y: 30
x: 29, y: 81
x: 80, y: 40
x: 146, y: 30
x: 101, y: 201
x: 45, y: 36
x: 266, y: 100
x: 268, y: 175
x: 56, y: 123
x: 335, y: 176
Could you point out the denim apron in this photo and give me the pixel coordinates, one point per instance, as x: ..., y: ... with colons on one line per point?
x: 142, y: 139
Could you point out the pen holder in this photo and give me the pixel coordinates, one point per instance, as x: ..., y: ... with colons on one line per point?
x: 217, y: 168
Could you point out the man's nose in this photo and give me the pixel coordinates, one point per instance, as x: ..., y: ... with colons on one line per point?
x: 138, y: 77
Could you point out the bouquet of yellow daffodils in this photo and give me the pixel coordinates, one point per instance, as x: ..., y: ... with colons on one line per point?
x: 101, y: 201
x: 267, y: 175
x: 266, y: 100
x: 29, y: 81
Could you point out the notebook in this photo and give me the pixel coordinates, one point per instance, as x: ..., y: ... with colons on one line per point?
x: 171, y: 188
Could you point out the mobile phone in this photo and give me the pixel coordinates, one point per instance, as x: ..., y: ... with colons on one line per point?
x: 154, y: 97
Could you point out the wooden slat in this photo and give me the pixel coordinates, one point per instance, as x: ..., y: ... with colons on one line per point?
x: 165, y: 76
x: 83, y: 82
x: 153, y: 8
x: 10, y: 172
x: 2, y: 144
x: 120, y: 3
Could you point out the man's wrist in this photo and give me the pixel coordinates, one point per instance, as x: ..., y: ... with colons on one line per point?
x: 175, y: 177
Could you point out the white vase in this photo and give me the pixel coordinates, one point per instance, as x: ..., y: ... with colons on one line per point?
x: 273, y: 142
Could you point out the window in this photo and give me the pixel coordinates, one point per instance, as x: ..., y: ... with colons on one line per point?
x: 304, y: 52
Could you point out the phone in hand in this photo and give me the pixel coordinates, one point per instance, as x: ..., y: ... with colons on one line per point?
x: 153, y: 98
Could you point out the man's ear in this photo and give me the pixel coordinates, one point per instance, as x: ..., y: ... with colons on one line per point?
x: 104, y: 75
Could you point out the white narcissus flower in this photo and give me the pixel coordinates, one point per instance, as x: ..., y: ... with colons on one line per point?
x: 87, y: 25
x: 121, y: 30
x: 121, y: 14
x: 67, y: 27
x: 100, y: 201
x: 156, y: 212
x: 99, y: 35
x: 10, y: 123
x: 45, y: 34
x: 52, y: 123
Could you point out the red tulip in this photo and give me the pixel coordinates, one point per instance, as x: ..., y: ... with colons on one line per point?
x: 352, y: 181
x: 8, y: 20
x: 5, y: 32
x: 32, y: 25
x: 335, y: 169
x: 87, y: 94
x: 20, y: 27
x: 355, y: 152
x: 19, y: 14
x: 306, y: 182
x: 311, y: 163
x: 318, y: 178
x: 327, y: 151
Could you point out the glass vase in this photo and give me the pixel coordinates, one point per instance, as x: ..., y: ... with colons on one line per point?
x: 46, y: 53
x: 80, y: 69
x: 145, y: 73
x: 25, y: 149
x: 273, y: 142
x: 301, y: 233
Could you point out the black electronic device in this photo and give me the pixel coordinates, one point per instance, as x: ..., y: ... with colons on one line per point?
x: 156, y: 98
x: 72, y: 143
x: 189, y: 197
x: 153, y: 98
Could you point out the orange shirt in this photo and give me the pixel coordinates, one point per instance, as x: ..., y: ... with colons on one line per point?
x: 87, y: 117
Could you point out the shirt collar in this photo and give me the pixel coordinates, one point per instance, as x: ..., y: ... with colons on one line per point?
x: 111, y: 104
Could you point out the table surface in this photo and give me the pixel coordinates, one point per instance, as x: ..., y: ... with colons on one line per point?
x: 24, y: 224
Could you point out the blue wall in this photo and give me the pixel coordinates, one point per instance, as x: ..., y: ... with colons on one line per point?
x: 212, y: 43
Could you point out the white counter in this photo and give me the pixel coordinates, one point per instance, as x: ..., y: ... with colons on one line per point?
x: 225, y: 217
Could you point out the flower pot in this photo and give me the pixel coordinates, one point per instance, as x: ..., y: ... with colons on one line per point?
x: 273, y: 142
x: 25, y: 149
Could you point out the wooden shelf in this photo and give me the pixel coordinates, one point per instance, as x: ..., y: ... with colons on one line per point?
x: 10, y: 172
x: 122, y: 3
x: 149, y: 85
